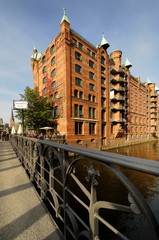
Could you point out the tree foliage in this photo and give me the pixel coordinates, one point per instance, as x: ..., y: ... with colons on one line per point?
x: 39, y: 111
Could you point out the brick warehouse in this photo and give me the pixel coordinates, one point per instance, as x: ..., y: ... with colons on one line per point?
x: 96, y: 100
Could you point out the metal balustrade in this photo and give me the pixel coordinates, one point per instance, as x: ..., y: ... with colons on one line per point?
x: 71, y: 180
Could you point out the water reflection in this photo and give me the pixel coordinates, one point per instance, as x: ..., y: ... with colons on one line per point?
x: 148, y: 185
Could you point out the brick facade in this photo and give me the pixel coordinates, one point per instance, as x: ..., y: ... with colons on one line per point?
x: 94, y: 96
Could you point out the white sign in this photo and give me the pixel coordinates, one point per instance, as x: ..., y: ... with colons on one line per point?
x: 20, y: 104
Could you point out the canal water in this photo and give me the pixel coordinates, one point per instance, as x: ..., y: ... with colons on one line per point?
x: 137, y: 227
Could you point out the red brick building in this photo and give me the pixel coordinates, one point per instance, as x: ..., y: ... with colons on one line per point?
x: 94, y: 97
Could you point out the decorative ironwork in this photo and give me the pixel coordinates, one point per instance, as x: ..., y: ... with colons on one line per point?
x: 79, y: 202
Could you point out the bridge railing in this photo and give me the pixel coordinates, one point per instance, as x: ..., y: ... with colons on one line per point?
x: 80, y: 186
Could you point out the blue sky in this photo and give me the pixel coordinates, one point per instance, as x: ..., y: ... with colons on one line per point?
x: 129, y: 25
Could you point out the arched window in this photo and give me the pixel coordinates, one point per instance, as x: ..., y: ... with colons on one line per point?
x: 53, y: 73
x: 56, y: 95
x: 44, y: 69
x: 44, y: 91
x: 52, y: 49
x: 76, y: 93
x: 44, y: 80
x: 53, y: 84
x: 53, y: 60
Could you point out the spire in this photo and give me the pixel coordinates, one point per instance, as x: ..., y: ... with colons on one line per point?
x: 65, y: 18
x: 12, y: 123
x: 128, y: 63
x: 104, y: 42
x: 35, y: 49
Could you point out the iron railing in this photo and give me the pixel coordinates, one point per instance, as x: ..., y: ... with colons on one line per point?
x: 71, y: 181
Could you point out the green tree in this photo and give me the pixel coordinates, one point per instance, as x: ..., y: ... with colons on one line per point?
x: 39, y: 111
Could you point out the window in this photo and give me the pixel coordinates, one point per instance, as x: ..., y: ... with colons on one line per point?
x: 89, y: 97
x: 91, y: 87
x: 53, y: 84
x: 52, y: 61
x: 44, y: 69
x: 91, y: 75
x: 103, y: 115
x: 92, y: 128
x: 55, y: 112
x: 74, y: 42
x: 88, y: 51
x: 53, y: 73
x: 78, y: 56
x: 103, y: 101
x: 75, y: 110
x: 93, y: 55
x: 79, y: 141
x: 51, y: 97
x: 43, y: 59
x: 44, y: 91
x: 102, y: 91
x: 80, y: 45
x: 81, y: 95
x: 78, y: 69
x: 102, y: 60
x: 78, y: 81
x: 94, y: 98
x: 44, y: 80
x: 78, y: 128
x: 78, y: 110
x: 102, y: 70
x: 91, y: 112
x: 91, y: 64
x: 56, y: 95
x: 52, y: 49
x: 102, y: 80
x: 76, y: 93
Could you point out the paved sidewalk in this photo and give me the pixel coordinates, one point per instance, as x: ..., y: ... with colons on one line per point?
x: 22, y: 215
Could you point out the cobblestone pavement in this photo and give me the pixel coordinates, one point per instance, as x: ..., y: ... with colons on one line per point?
x: 22, y: 214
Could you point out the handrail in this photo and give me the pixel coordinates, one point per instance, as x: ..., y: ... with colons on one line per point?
x: 57, y: 172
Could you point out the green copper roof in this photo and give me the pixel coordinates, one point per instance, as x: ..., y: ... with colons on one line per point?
x: 104, y: 42
x: 148, y: 81
x: 127, y: 63
x: 36, y: 55
x: 65, y: 18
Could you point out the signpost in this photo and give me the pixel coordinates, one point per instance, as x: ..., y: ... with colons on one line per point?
x: 20, y: 105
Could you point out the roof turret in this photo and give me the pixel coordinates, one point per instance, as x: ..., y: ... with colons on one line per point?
x: 104, y: 42
x: 35, y: 55
x: 65, y: 18
x: 148, y: 82
x: 127, y: 63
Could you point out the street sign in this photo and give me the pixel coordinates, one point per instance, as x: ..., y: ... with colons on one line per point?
x: 20, y: 104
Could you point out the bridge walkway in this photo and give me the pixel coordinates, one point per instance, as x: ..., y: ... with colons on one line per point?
x: 22, y: 214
